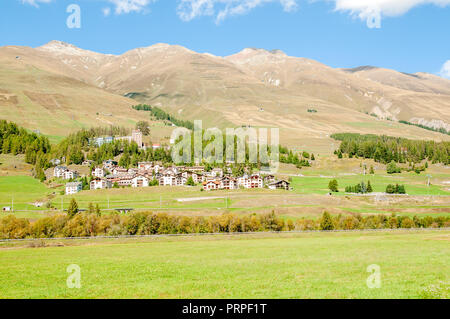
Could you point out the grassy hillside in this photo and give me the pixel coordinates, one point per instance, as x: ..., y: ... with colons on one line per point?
x: 56, y: 105
x: 21, y: 188
x: 326, y: 265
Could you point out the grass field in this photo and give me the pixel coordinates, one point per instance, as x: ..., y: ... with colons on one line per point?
x: 314, y: 265
x: 415, y: 184
x: 24, y: 190
x: 190, y: 200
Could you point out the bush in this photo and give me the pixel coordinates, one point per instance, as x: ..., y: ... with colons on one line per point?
x: 12, y: 227
x: 392, y: 168
x: 395, y: 189
x: 390, y: 189
x: 407, y: 223
x: 86, y: 224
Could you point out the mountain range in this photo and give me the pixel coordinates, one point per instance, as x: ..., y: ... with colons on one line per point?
x: 59, y: 87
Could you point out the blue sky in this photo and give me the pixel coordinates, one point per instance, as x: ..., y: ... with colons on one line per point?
x: 406, y: 35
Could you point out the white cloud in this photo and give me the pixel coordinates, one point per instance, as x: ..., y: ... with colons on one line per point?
x: 188, y: 10
x: 36, y: 2
x: 370, y: 10
x: 191, y: 9
x: 445, y: 71
x: 389, y: 8
x: 127, y: 6
x: 121, y: 6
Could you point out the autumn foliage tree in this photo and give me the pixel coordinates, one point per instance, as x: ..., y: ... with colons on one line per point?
x: 326, y: 222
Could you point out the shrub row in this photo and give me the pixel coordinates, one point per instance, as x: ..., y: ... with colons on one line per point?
x: 148, y: 223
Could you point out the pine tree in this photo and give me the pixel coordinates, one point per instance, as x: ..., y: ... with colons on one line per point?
x: 333, y: 186
x: 124, y: 160
x: 73, y: 208
x: 369, y: 187
x: 363, y: 188
x: 190, y: 181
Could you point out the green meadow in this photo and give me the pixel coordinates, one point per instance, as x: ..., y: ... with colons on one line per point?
x: 23, y: 190
x: 310, y: 265
x: 318, y: 184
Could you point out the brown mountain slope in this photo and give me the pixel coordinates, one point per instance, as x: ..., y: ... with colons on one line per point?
x: 418, y: 82
x: 254, y: 87
x: 57, y: 105
x: 386, y: 93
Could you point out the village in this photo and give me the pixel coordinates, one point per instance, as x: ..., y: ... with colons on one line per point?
x: 111, y: 175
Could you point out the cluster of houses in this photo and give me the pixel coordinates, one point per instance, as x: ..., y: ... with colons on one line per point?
x: 64, y: 173
x: 110, y: 174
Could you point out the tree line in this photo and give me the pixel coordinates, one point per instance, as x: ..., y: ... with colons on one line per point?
x: 360, y: 188
x: 440, y: 130
x: 385, y: 149
x: 94, y: 223
x: 16, y: 140
x: 81, y: 139
x: 162, y: 115
x: 131, y: 154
